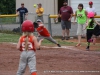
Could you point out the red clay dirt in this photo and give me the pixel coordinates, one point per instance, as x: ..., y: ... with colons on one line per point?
x: 52, y: 61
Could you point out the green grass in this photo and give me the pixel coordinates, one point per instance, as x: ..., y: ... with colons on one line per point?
x: 9, y: 37
x: 7, y: 20
x: 13, y: 37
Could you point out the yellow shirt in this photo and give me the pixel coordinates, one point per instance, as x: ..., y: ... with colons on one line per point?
x: 40, y: 11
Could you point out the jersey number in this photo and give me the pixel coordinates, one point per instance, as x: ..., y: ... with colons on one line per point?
x: 29, y: 46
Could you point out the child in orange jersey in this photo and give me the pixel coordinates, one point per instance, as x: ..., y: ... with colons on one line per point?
x: 43, y: 33
x: 27, y: 44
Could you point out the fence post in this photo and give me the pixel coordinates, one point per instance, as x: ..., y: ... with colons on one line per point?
x: 49, y: 25
x: 1, y: 22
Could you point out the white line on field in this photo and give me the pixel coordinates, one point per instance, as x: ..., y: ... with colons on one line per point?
x: 64, y: 47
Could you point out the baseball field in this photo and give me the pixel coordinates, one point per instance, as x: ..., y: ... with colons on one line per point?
x: 52, y: 60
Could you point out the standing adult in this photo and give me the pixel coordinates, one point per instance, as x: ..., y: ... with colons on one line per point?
x: 39, y: 12
x: 91, y: 8
x: 22, y: 12
x: 65, y: 13
x: 81, y: 15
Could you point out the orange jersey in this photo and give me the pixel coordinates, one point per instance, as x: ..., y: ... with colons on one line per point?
x: 43, y: 31
x: 30, y: 43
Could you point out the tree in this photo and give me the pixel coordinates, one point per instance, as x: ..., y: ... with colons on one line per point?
x: 7, y: 6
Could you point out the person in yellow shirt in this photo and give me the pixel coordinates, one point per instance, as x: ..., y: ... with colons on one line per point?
x: 39, y: 12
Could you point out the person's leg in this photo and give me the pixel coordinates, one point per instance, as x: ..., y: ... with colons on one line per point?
x: 89, y: 35
x: 84, y: 31
x: 67, y: 32
x: 22, y: 63
x: 63, y: 29
x: 53, y: 41
x: 79, y: 33
x: 79, y: 40
x: 42, y: 19
x: 68, y: 27
x: 32, y: 62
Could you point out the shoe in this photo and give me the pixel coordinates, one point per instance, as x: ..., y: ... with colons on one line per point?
x: 58, y: 45
x: 87, y: 49
x: 67, y: 38
x: 78, y: 45
x: 63, y: 38
x: 38, y: 48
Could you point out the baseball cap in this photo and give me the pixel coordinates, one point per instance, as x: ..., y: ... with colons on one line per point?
x: 39, y: 20
x: 90, y: 3
x: 39, y: 4
x: 65, y: 1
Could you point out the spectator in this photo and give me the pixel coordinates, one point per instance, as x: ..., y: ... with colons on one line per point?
x: 22, y: 12
x: 65, y: 13
x: 39, y: 12
x: 81, y: 15
x: 91, y: 8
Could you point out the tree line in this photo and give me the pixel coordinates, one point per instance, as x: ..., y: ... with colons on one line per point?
x: 7, y: 6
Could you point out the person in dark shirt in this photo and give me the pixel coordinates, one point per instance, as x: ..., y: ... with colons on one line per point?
x: 65, y: 13
x: 22, y: 12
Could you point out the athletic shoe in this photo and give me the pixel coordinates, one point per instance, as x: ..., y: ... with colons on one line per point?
x: 38, y: 48
x: 87, y: 49
x: 58, y: 45
x: 67, y: 38
x: 63, y: 38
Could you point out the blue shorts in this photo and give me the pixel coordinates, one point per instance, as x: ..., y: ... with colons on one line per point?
x: 65, y: 24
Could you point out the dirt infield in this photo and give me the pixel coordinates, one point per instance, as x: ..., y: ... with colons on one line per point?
x: 67, y: 60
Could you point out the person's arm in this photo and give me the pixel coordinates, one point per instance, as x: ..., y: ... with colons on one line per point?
x: 71, y: 15
x: 17, y: 11
x: 58, y: 16
x: 41, y: 10
x: 87, y: 23
x: 18, y: 44
x: 37, y: 44
x: 37, y: 11
x: 95, y: 11
x: 97, y: 22
x: 26, y: 13
x: 86, y: 16
x: 75, y: 16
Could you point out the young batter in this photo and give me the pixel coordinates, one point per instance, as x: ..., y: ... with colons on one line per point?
x: 43, y: 33
x: 27, y: 44
x: 91, y: 28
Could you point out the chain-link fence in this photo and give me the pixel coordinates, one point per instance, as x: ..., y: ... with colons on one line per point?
x: 13, y: 24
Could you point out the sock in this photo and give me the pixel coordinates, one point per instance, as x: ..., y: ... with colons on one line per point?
x: 88, y: 44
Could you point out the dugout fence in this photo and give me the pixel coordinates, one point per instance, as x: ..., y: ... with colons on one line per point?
x: 11, y: 22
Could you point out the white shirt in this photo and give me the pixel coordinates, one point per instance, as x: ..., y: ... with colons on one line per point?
x: 88, y: 9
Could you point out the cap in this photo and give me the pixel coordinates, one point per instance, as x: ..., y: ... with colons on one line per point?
x: 90, y: 3
x: 39, y: 4
x: 39, y: 20
x: 90, y: 15
x: 64, y: 1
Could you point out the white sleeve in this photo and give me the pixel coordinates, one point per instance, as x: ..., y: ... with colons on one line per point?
x: 94, y: 10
